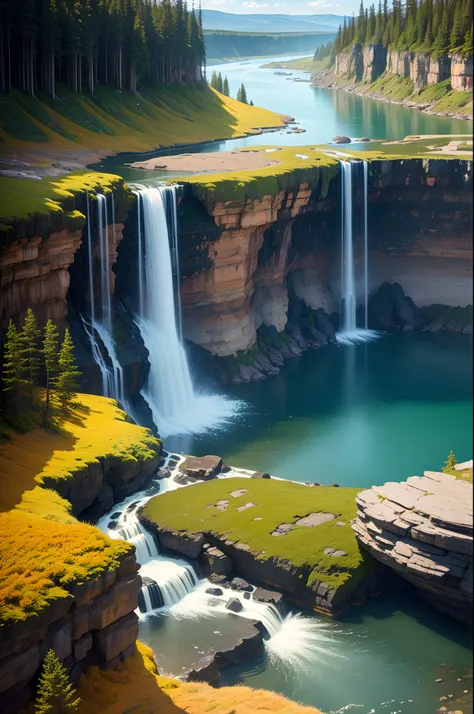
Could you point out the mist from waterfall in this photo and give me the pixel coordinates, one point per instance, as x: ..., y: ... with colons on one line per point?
x: 350, y: 332
x: 175, y: 405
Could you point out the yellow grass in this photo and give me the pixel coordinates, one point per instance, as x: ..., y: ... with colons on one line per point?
x: 136, y: 687
x: 44, y: 550
x: 124, y: 121
x: 98, y: 429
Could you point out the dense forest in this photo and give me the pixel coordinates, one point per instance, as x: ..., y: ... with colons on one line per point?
x: 436, y: 26
x: 240, y: 44
x: 84, y: 42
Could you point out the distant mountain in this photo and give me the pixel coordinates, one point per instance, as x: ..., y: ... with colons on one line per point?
x: 216, y: 20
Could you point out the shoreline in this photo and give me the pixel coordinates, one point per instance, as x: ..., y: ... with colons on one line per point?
x: 319, y: 81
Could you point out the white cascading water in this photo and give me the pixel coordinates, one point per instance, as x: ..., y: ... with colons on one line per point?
x: 175, y: 406
x: 350, y: 332
x: 174, y: 588
x: 110, y: 369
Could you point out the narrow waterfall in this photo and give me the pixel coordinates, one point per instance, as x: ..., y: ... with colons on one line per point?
x: 365, y: 165
x: 349, y: 298
x: 169, y: 392
x: 350, y: 332
x: 99, y: 329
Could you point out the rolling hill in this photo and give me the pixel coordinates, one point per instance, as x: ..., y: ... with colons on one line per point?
x: 216, y: 20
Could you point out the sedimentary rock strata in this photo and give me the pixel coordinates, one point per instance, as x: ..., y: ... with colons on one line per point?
x: 423, y: 529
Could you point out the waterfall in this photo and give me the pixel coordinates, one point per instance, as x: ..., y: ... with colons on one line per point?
x: 99, y: 330
x: 366, y: 244
x: 350, y: 332
x: 173, y: 588
x: 348, y: 267
x: 169, y: 392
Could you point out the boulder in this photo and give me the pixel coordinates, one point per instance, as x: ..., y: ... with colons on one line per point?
x: 269, y: 597
x: 391, y: 309
x: 260, y: 474
x: 219, y: 580
x: 234, y: 605
x: 240, y: 584
x: 216, y: 592
x: 324, y: 325
x: 217, y: 562
x: 341, y: 140
x: 202, y: 468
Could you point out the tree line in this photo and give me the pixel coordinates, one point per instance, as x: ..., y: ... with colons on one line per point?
x: 31, y: 359
x: 122, y: 43
x: 221, y: 85
x: 433, y: 26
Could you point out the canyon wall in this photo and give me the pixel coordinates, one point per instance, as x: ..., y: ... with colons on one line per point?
x: 265, y: 252
x: 366, y: 63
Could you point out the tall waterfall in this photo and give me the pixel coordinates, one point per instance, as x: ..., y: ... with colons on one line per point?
x: 169, y: 392
x: 99, y: 327
x: 350, y: 332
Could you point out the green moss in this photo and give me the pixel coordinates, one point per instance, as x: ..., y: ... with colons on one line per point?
x: 393, y: 86
x: 276, y: 502
x: 288, y: 174
x: 27, y: 200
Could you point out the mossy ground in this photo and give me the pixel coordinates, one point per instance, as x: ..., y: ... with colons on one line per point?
x: 190, y: 510
x: 43, y: 548
x: 297, y: 165
x: 119, y: 121
x: 136, y: 687
x: 22, y: 199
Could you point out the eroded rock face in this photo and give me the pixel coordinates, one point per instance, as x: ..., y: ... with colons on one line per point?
x: 423, y: 529
x: 461, y: 73
x: 34, y: 272
x: 96, y: 624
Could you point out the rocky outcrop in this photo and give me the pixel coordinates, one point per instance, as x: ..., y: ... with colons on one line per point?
x: 249, y: 643
x: 461, y: 73
x: 423, y: 529
x: 94, y: 488
x: 96, y: 624
x: 34, y: 272
x: 271, y: 572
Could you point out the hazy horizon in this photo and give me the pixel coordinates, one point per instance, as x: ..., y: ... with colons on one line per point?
x: 290, y: 7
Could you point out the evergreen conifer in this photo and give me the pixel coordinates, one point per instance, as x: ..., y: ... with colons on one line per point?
x: 56, y: 694
x: 450, y: 463
x: 226, y: 90
x: 14, y: 374
x: 66, y: 381
x: 220, y: 84
x: 29, y: 350
x: 51, y: 357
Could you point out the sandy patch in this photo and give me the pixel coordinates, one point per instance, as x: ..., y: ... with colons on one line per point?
x: 208, y: 163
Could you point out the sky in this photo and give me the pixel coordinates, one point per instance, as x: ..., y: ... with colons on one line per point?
x: 285, y: 7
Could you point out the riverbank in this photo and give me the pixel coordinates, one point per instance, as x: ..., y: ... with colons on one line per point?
x: 72, y: 131
x: 438, y: 99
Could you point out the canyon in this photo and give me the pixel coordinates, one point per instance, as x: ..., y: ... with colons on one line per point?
x: 253, y: 267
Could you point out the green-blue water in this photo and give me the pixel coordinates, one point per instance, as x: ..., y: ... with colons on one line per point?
x: 323, y: 113
x: 354, y: 415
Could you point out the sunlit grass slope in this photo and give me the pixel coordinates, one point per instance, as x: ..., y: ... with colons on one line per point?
x: 21, y: 199
x: 276, y: 502
x: 127, y: 122
x: 136, y: 687
x: 44, y: 550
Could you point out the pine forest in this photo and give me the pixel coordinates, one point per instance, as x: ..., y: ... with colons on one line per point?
x: 123, y: 43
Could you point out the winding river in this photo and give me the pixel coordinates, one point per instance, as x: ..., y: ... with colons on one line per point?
x: 355, y: 416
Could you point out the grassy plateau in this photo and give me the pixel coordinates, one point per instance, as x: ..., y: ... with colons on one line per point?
x: 193, y: 510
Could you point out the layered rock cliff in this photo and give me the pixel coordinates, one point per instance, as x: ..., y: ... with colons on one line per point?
x: 357, y: 69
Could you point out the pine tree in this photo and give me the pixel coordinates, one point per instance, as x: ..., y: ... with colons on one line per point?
x: 242, y: 95
x: 220, y: 85
x: 214, y: 80
x: 14, y: 374
x: 66, y: 381
x: 29, y: 350
x: 226, y: 90
x: 450, y: 463
x: 456, y: 39
x: 51, y: 356
x: 251, y: 103
x: 56, y: 694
